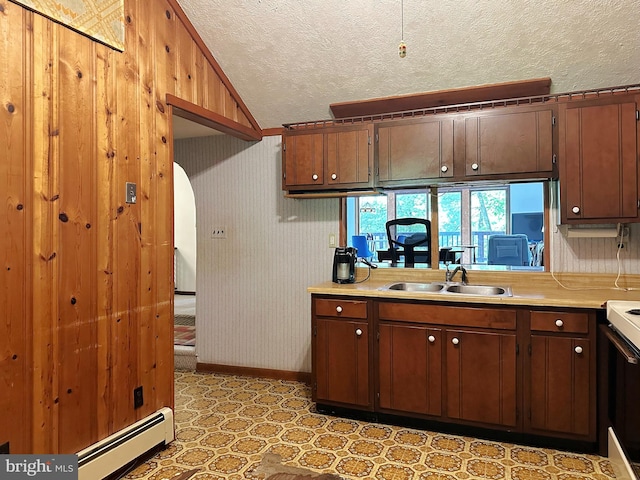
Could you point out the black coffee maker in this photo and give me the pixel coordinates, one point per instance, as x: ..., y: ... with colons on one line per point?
x: 344, y: 265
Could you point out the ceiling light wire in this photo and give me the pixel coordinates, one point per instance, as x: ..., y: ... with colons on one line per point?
x: 402, y: 48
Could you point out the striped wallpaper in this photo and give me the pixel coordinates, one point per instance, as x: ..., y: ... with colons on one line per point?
x: 252, y: 306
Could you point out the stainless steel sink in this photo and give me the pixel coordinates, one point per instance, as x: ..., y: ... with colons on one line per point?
x: 453, y: 288
x: 433, y: 287
x: 484, y: 290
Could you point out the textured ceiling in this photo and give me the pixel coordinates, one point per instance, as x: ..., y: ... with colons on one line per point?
x: 290, y: 59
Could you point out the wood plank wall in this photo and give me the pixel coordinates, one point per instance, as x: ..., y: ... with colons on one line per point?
x: 86, y: 280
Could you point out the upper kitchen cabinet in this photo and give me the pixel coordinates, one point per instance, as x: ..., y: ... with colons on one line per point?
x: 514, y: 141
x: 414, y: 150
x: 599, y: 160
x: 335, y: 158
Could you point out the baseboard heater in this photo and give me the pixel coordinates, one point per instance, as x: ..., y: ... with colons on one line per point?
x: 105, y: 457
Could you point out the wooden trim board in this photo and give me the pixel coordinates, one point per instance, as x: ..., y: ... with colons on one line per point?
x: 454, y: 96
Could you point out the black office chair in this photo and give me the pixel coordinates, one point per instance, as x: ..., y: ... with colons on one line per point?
x: 408, y: 243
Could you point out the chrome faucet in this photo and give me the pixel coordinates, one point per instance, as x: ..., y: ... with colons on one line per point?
x: 451, y: 273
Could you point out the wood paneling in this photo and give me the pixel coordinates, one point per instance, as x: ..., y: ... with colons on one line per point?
x: 87, y: 279
x: 15, y: 238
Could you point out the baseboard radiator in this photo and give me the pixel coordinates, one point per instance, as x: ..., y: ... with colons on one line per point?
x: 105, y: 457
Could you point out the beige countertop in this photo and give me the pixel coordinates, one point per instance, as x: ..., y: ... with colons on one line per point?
x: 535, y: 289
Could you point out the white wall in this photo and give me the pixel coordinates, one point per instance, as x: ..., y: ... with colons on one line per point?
x: 253, y: 307
x: 184, y: 222
x: 252, y: 303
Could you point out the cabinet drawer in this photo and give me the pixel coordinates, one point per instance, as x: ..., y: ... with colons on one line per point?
x: 560, y: 322
x: 503, y: 319
x: 341, y: 308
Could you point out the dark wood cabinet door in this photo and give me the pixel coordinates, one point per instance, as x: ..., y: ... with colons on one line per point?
x: 341, y: 363
x: 599, y: 172
x: 509, y: 143
x: 561, y: 397
x: 303, y: 160
x: 349, y: 157
x: 415, y: 151
x: 410, y: 369
x: 481, y: 377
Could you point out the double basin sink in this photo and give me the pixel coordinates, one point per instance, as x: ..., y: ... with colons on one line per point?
x: 450, y: 288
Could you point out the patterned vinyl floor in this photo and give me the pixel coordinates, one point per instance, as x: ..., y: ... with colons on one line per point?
x: 225, y: 424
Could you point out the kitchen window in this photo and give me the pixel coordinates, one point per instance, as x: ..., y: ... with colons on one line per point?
x: 467, y: 216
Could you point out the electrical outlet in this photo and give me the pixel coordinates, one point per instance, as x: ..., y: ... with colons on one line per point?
x: 623, y: 235
x: 332, y: 240
x: 219, y: 232
x: 138, y: 398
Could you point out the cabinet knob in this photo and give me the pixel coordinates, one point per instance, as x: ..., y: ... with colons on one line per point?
x: 575, y: 209
x: 314, y: 176
x: 578, y: 349
x: 444, y: 168
x: 455, y: 341
x: 559, y: 323
x: 358, y: 332
x: 339, y: 309
x: 333, y: 176
x: 431, y: 339
x: 474, y: 166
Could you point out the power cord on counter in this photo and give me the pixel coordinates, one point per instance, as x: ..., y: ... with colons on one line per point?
x: 370, y: 265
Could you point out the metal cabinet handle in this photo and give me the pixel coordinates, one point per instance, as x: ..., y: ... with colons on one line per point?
x: 333, y: 176
x: 339, y: 309
x: 559, y: 323
x: 358, y: 332
x: 578, y: 349
x: 314, y: 176
x: 474, y: 166
x: 575, y: 209
x: 455, y: 341
x: 444, y: 168
x: 431, y: 339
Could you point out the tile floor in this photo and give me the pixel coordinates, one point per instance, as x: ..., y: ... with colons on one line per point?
x: 225, y: 423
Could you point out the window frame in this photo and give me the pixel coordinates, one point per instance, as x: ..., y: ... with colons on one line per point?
x: 433, y: 194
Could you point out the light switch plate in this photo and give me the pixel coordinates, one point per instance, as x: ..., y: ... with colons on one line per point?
x: 131, y: 196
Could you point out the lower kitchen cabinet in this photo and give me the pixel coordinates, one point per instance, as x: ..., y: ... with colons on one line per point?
x: 427, y: 366
x: 410, y: 369
x: 341, y: 360
x: 562, y: 396
x: 481, y: 377
x: 477, y: 366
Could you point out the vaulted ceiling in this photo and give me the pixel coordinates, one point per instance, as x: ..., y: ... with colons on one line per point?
x: 290, y: 59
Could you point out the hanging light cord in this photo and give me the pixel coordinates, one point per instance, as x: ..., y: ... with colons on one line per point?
x: 402, y: 19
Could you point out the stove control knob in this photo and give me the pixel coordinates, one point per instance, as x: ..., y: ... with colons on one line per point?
x: 578, y: 349
x: 559, y: 323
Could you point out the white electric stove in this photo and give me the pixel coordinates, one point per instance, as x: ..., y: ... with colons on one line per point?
x: 624, y: 316
x: 624, y: 320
